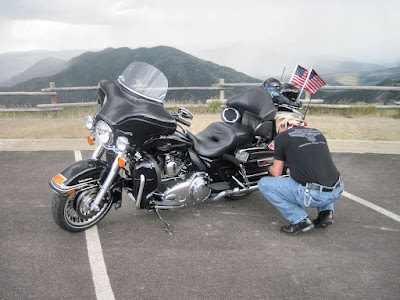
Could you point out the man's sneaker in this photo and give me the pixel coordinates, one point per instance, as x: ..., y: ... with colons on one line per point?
x: 324, y: 219
x: 294, y: 229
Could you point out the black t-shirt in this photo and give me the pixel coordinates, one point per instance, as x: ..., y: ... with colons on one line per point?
x: 306, y: 152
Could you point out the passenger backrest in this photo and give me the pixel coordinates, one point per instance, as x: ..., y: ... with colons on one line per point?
x: 256, y: 101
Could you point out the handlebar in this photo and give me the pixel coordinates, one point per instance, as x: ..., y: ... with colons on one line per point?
x: 180, y: 120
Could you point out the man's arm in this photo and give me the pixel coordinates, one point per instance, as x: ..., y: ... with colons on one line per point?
x: 277, y: 168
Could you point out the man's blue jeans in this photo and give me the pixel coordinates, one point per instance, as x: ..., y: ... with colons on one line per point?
x: 290, y: 197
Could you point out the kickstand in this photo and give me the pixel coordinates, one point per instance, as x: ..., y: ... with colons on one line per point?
x: 166, y: 225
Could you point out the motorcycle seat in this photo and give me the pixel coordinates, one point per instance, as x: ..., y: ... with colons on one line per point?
x: 219, y: 138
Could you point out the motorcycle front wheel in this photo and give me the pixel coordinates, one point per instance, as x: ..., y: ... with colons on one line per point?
x: 71, y: 212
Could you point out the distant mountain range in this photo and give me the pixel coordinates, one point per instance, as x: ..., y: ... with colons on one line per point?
x: 372, y: 77
x: 43, y: 68
x: 15, y: 63
x: 181, y: 69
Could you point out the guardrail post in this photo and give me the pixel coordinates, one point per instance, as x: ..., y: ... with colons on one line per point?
x: 308, y: 96
x: 53, y: 97
x: 221, y: 91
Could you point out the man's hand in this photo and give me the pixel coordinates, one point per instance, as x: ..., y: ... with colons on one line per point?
x: 277, y: 168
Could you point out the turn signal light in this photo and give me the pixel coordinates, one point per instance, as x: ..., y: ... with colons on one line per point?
x: 121, y: 162
x: 59, y: 179
x: 91, y: 140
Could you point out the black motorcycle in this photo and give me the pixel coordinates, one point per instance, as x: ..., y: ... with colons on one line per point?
x: 144, y: 150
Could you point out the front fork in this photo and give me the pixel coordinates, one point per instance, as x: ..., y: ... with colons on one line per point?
x: 97, y: 154
x: 95, y: 205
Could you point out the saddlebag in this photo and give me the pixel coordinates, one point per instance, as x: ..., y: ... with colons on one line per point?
x: 255, y: 161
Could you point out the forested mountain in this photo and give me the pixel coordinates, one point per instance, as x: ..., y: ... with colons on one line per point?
x: 181, y: 70
x: 89, y: 68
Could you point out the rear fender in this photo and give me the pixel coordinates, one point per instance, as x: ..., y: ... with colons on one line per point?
x: 78, y: 176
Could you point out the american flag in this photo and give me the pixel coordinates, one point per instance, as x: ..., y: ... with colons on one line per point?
x: 314, y: 82
x: 299, y: 76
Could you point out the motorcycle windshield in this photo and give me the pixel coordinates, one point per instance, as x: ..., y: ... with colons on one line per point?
x: 144, y: 80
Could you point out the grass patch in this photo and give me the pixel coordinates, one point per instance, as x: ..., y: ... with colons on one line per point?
x: 355, y: 111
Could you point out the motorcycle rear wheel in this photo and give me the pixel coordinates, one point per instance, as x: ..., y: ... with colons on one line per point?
x: 66, y: 216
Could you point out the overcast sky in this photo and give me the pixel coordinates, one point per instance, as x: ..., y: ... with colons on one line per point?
x: 248, y: 35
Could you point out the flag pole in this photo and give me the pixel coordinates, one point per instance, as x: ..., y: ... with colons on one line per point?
x: 309, y: 102
x: 283, y: 72
x: 302, y: 88
x: 294, y: 71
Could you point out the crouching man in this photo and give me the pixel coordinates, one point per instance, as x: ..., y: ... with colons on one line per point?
x: 314, y: 180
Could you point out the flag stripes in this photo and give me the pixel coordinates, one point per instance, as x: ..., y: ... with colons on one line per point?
x: 299, y: 76
x: 313, y: 82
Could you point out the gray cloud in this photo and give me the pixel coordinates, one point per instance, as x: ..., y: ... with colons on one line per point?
x: 252, y: 36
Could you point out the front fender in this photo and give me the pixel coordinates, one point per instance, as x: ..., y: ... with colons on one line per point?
x: 79, y: 175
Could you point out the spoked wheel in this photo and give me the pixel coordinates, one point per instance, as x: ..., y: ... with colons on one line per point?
x: 72, y: 212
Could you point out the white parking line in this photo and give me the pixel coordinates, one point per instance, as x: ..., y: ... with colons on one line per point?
x: 78, y: 155
x: 96, y: 259
x: 97, y: 265
x: 372, y: 206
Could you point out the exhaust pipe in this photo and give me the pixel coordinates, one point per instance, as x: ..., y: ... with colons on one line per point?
x: 235, y: 191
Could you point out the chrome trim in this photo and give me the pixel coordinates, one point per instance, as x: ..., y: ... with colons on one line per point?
x: 140, y: 192
x: 98, y: 152
x: 167, y: 206
x: 244, y: 174
x: 223, y: 117
x: 238, y: 182
x: 253, y: 148
x: 63, y: 189
x: 132, y: 197
x: 109, y: 180
x: 271, y: 158
x: 258, y: 174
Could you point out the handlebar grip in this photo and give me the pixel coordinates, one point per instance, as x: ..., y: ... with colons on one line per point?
x: 186, y: 123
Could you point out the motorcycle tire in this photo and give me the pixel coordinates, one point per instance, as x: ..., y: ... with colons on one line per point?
x: 66, y: 216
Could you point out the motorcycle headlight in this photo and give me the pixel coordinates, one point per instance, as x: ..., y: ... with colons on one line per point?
x: 122, y: 143
x: 89, y: 122
x: 104, y: 133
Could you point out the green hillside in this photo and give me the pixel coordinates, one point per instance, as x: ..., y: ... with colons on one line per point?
x: 89, y: 68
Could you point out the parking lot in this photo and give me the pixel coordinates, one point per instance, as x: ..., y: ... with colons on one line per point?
x: 219, y: 250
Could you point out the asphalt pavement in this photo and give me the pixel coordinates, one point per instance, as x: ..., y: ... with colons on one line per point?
x: 219, y: 250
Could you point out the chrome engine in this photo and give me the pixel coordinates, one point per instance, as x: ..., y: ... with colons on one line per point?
x: 187, y: 191
x: 181, y: 187
x: 173, y: 164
